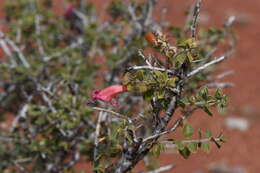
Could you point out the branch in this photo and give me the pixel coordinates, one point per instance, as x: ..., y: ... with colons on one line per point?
x: 101, y: 117
x: 195, y: 17
x: 221, y: 85
x: 176, y: 124
x: 222, y: 75
x: 117, y: 115
x: 7, y: 51
x: 193, y: 140
x: 56, y: 54
x: 215, y: 61
x: 16, y: 49
x: 151, y: 68
x: 162, y: 169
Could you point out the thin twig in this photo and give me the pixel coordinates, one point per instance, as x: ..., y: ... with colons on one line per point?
x: 162, y: 169
x: 57, y: 54
x: 101, y: 117
x: 117, y: 115
x: 38, y: 32
x: 171, y: 145
x: 216, y: 60
x: 6, y: 49
x: 151, y: 68
x: 220, y: 85
x: 222, y: 75
x: 16, y: 49
x: 22, y: 114
x: 176, y: 124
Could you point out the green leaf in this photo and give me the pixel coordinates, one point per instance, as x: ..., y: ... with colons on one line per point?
x: 184, y: 102
x: 161, y: 76
x: 190, y: 57
x: 142, y: 87
x: 207, y: 110
x: 208, y: 133
x: 221, y: 108
x: 157, y: 149
x: 205, y: 147
x: 203, y: 92
x: 179, y: 144
x: 185, y: 153
x: 172, y: 82
x: 193, y: 147
x: 140, y: 74
x: 148, y: 95
x: 160, y: 94
x: 180, y: 60
x: 218, y: 94
x: 187, y: 131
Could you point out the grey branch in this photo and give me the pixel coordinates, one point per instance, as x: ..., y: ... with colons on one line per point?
x: 192, y: 140
x: 117, y: 115
x: 151, y: 68
x: 162, y: 169
x: 57, y: 54
x: 176, y: 124
x: 221, y: 85
x: 222, y: 75
x: 6, y: 49
x: 195, y: 17
x: 16, y: 49
x: 101, y: 117
x: 215, y: 61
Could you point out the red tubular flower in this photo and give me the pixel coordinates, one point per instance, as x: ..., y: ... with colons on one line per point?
x: 109, y: 93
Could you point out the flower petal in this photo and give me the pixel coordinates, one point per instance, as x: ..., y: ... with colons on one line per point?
x: 107, y: 94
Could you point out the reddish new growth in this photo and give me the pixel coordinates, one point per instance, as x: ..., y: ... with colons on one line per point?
x: 69, y: 12
x: 109, y: 93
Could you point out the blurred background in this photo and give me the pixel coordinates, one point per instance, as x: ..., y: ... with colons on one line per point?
x: 240, y: 154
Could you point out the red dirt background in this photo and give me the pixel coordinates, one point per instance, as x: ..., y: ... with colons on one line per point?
x: 241, y: 149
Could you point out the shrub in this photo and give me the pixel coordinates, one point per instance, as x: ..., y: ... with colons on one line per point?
x: 52, y: 65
